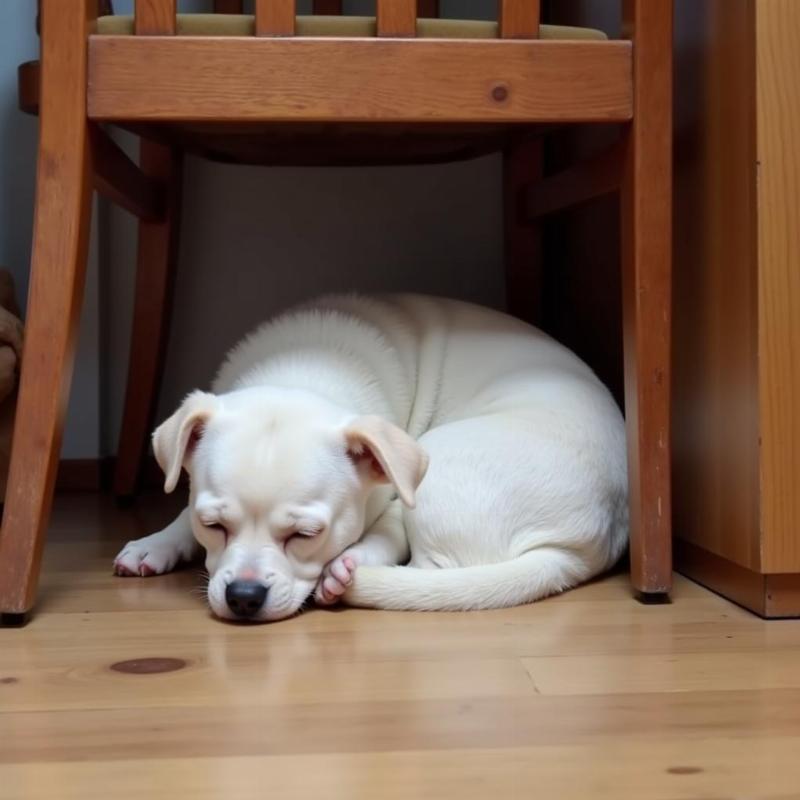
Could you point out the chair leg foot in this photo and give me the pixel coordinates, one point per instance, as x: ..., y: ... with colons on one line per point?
x: 13, y: 620
x: 653, y: 598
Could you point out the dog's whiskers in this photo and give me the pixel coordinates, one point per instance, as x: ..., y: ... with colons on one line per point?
x: 202, y: 589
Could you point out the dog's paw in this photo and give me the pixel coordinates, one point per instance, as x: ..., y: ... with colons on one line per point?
x: 153, y: 555
x: 335, y: 579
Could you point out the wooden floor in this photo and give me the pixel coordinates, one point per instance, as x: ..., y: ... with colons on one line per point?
x: 588, y: 695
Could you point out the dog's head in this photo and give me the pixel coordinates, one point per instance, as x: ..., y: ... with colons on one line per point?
x: 279, y: 487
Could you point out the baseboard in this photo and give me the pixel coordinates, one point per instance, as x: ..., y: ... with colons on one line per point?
x: 772, y: 596
x: 96, y: 475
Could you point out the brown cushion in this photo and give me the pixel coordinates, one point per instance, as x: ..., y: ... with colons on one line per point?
x: 243, y: 25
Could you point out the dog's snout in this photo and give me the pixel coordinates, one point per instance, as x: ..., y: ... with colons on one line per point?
x: 245, y: 598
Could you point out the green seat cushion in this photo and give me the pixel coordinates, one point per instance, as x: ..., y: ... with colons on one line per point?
x: 244, y: 24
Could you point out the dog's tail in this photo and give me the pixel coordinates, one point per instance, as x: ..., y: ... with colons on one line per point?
x: 531, y: 576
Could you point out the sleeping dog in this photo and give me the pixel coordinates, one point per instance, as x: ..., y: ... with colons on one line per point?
x: 398, y: 452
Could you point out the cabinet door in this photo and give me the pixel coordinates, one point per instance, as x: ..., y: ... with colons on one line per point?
x: 778, y: 124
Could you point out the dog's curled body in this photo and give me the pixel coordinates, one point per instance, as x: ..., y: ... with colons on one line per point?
x: 526, y: 488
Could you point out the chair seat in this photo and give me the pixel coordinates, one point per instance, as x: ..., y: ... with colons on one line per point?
x: 244, y: 25
x: 332, y: 143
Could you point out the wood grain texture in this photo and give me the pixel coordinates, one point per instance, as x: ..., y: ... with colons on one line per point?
x: 320, y: 144
x: 519, y: 19
x: 115, y: 176
x: 250, y: 79
x: 465, y: 773
x: 275, y: 17
x: 778, y: 122
x: 715, y: 400
x: 156, y: 267
x: 121, y: 181
x: 693, y: 699
x: 58, y: 266
x: 646, y: 280
x: 396, y: 17
x: 155, y: 17
x: 690, y: 672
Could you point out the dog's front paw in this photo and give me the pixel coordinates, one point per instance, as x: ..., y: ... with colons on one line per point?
x: 335, y: 579
x: 153, y: 555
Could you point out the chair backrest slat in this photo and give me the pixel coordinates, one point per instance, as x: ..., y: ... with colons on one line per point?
x: 329, y: 7
x: 275, y: 17
x: 397, y: 17
x: 155, y: 17
x: 229, y: 6
x: 519, y: 19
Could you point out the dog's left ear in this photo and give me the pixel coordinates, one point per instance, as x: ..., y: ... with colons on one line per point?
x: 175, y: 439
x: 388, y: 453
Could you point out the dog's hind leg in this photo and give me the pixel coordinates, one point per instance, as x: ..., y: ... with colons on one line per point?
x: 384, y: 544
x: 160, y: 552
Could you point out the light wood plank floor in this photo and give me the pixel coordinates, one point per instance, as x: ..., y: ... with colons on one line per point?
x: 588, y: 695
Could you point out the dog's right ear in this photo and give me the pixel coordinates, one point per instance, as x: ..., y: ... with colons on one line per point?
x: 175, y: 439
x: 387, y: 454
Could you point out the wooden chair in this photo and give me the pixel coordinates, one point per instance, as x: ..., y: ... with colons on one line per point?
x: 276, y: 88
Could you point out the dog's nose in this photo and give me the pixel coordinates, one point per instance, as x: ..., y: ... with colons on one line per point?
x: 245, y: 598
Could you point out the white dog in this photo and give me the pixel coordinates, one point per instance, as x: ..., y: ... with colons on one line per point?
x: 307, y: 464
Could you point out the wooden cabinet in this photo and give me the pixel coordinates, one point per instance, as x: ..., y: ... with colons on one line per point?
x: 736, y: 474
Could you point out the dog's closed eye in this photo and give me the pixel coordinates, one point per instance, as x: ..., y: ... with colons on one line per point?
x: 303, y: 532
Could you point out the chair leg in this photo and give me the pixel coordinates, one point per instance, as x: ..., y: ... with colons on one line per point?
x: 155, y: 278
x: 647, y: 264
x: 646, y: 214
x: 58, y: 267
x: 522, y: 165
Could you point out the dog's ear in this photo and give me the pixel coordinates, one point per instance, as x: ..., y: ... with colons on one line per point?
x: 175, y: 439
x: 387, y: 454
